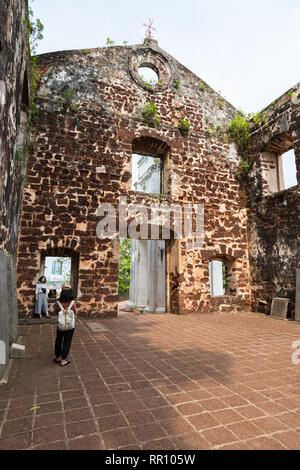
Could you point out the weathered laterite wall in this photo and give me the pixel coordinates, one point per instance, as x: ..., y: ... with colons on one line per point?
x: 12, y: 85
x: 13, y: 91
x: 273, y: 213
x: 81, y: 156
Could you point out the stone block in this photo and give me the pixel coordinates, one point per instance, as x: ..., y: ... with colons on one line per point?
x: 279, y: 308
x: 101, y: 169
x: 17, y: 351
x: 96, y: 327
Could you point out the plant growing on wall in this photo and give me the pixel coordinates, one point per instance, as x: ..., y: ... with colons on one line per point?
x: 148, y: 83
x: 67, y: 98
x: 33, y: 29
x: 109, y: 42
x: 34, y: 33
x: 149, y: 114
x: 201, y: 88
x: 213, y: 130
x: 239, y: 132
x: 157, y: 161
x: 221, y: 101
x: 184, y: 126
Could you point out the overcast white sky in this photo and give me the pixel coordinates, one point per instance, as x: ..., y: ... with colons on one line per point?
x: 247, y: 50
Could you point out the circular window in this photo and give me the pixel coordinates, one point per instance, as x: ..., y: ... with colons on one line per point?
x: 148, y: 75
x: 150, y: 69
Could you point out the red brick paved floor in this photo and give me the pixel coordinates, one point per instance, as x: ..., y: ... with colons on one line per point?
x: 198, y: 381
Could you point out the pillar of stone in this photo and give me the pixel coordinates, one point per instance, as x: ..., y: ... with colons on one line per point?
x: 156, y: 291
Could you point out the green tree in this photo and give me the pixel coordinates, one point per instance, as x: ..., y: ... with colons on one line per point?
x: 124, y: 266
x: 34, y: 33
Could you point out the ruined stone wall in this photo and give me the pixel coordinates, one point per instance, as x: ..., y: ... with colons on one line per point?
x: 12, y: 70
x: 89, y: 117
x: 274, y: 213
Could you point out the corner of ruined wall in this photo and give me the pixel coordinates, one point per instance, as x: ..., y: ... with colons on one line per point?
x: 273, y: 212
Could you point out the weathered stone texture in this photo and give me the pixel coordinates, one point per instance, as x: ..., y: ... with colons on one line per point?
x: 13, y: 93
x: 273, y: 213
x: 12, y: 86
x: 96, y: 124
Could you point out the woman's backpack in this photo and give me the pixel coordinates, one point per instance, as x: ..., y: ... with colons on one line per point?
x: 66, y: 317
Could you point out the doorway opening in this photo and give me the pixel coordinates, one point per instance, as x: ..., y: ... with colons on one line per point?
x: 124, y: 273
x: 142, y: 276
x: 60, y: 266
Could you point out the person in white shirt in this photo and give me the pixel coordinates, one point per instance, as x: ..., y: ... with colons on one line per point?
x: 41, y: 304
x: 63, y: 341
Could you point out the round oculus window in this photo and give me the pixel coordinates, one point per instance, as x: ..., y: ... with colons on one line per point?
x: 150, y: 69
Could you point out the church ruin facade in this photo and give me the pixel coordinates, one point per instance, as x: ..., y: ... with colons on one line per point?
x: 94, y: 117
x: 90, y: 125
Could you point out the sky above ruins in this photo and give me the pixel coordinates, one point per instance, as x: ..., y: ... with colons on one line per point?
x: 247, y: 51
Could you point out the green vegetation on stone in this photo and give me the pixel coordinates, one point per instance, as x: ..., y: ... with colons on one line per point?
x: 184, y: 126
x: 149, y: 114
x: 34, y: 29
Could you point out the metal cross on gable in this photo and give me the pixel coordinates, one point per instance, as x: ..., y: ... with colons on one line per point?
x: 149, y: 29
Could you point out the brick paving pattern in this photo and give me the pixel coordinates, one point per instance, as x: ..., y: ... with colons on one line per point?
x: 198, y: 381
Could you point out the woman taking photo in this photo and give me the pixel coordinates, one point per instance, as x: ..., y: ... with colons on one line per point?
x: 65, y: 307
x: 41, y: 304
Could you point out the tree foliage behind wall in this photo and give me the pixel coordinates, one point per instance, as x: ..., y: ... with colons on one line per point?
x: 124, y: 266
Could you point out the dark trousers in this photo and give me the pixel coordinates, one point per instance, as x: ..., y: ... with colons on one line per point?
x: 63, y: 343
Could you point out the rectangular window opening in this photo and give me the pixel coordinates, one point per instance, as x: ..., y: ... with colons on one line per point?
x: 217, y: 278
x: 147, y: 174
x: 287, y: 170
